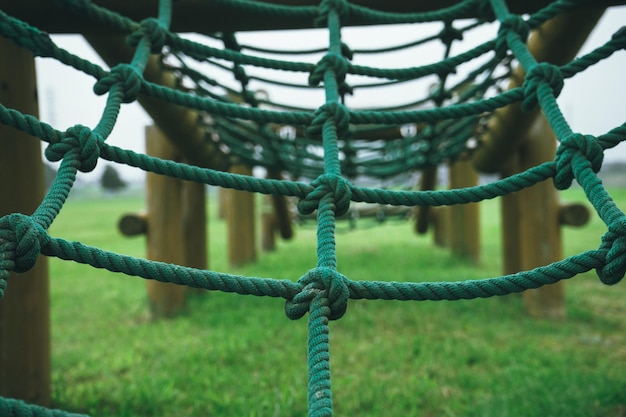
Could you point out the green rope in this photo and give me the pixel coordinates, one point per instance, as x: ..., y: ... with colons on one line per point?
x: 446, y: 117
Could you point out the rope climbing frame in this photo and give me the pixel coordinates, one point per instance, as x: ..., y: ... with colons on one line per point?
x: 328, y: 177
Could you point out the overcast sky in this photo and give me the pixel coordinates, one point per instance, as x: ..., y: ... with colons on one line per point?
x: 593, y: 101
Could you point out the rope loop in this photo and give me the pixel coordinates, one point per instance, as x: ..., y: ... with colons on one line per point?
x: 542, y: 72
x: 27, y: 237
x: 153, y: 30
x: 614, y: 268
x: 512, y: 23
x: 330, y: 111
x: 331, y: 61
x: 339, y: 187
x: 326, y: 6
x: 124, y: 74
x: 320, y: 280
x: 78, y: 137
x: 586, y: 145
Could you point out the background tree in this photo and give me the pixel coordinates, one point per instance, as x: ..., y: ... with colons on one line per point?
x: 111, y: 180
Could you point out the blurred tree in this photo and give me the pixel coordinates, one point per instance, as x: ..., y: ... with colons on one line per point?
x: 111, y: 180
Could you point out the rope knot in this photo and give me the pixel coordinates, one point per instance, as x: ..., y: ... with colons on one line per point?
x: 325, y: 184
x: 450, y: 34
x: 576, y: 144
x: 124, y: 74
x: 341, y: 7
x: 336, y: 112
x: 21, y: 238
x: 79, y: 137
x: 542, y: 72
x: 511, y: 24
x: 332, y: 61
x: 153, y: 30
x: 614, y: 268
x: 346, y: 52
x: 240, y: 75
x: 325, y: 281
x: 250, y: 98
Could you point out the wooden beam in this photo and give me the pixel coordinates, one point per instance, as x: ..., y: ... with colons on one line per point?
x: 179, y: 124
x: 557, y: 41
x: 133, y: 224
x: 25, y: 308
x: 574, y: 214
x: 203, y: 16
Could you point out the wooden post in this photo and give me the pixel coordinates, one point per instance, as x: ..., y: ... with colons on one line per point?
x: 222, y: 203
x: 25, y: 308
x: 268, y: 225
x: 440, y: 219
x: 428, y: 182
x: 510, y: 228
x: 194, y: 221
x: 281, y: 210
x: 464, y: 227
x: 165, y: 231
x: 539, y: 225
x: 241, y: 224
x: 557, y: 41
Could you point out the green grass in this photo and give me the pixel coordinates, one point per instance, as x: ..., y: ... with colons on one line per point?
x: 230, y: 355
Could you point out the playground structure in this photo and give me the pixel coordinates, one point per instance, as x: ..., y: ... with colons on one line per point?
x: 343, y: 150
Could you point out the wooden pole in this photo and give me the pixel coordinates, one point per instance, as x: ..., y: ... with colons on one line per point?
x: 440, y: 219
x: 25, y: 308
x: 539, y: 225
x: 557, y: 41
x: 268, y: 225
x: 510, y: 228
x: 194, y: 221
x: 281, y: 209
x: 464, y: 227
x: 241, y: 224
x: 165, y: 232
x: 428, y: 182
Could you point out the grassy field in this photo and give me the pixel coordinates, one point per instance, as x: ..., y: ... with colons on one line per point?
x: 231, y: 355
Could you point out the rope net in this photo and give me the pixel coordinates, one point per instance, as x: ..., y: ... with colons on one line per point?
x: 325, y: 144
